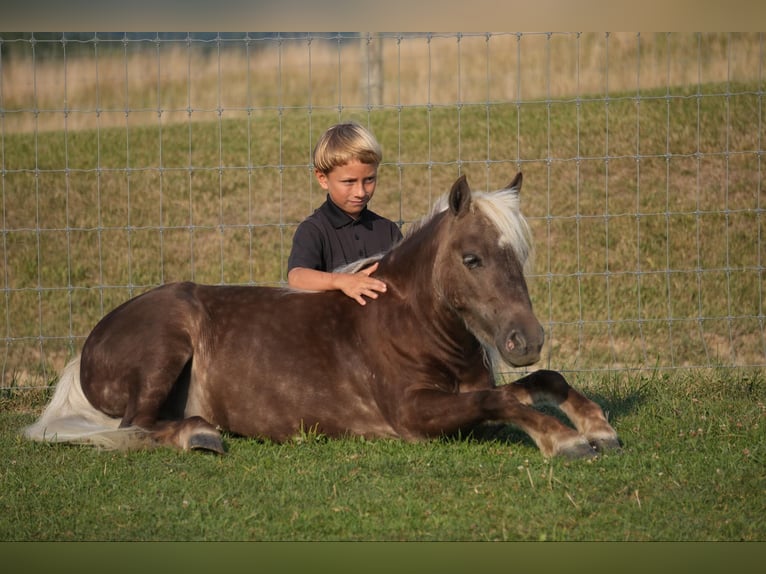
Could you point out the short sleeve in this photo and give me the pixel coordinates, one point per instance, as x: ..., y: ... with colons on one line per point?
x: 307, y: 248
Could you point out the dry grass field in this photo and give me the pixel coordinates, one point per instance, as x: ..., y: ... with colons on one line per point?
x: 114, y: 83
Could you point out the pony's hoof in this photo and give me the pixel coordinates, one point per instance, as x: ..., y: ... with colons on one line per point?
x: 607, y: 444
x: 578, y: 451
x: 207, y: 442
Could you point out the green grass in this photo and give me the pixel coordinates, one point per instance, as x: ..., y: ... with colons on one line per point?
x: 692, y: 469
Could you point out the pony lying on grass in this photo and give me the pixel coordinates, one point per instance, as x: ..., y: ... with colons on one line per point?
x: 177, y: 363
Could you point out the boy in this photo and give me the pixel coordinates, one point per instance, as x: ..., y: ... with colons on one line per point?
x: 343, y: 229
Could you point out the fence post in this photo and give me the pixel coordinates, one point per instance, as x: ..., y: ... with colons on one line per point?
x: 372, y: 69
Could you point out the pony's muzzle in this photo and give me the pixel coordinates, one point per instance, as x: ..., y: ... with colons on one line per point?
x: 523, y: 346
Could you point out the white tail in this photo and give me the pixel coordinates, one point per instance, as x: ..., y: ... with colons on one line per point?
x: 69, y: 417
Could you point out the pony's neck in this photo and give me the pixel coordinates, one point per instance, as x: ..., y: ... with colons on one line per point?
x: 408, y: 266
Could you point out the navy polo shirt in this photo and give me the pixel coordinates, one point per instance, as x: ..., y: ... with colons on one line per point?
x: 329, y: 238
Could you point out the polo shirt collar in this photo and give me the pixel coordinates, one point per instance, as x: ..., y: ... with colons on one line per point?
x: 339, y: 218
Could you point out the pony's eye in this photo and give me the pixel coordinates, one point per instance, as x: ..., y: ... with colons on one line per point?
x: 471, y: 260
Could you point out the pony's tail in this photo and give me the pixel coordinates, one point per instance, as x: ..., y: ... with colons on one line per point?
x: 70, y: 418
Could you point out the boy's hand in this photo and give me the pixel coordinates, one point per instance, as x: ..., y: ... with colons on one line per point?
x: 360, y: 285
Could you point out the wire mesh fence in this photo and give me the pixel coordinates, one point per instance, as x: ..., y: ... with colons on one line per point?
x: 131, y: 160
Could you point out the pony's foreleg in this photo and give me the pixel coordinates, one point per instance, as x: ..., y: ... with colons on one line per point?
x: 432, y: 412
x: 551, y: 436
x: 551, y: 388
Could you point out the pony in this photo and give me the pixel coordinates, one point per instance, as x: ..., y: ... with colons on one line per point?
x: 180, y: 363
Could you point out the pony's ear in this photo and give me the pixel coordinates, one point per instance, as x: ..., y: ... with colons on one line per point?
x: 515, y: 185
x: 460, y: 196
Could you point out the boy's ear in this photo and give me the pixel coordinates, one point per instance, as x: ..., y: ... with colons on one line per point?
x: 322, y: 179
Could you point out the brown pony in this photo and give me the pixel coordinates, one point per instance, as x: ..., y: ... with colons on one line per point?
x: 180, y: 362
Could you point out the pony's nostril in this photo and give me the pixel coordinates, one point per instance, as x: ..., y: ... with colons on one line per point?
x: 516, y: 342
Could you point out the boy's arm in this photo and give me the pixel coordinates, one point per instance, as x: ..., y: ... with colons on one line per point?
x: 355, y: 285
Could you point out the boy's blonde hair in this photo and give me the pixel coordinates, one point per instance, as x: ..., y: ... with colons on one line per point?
x: 343, y: 143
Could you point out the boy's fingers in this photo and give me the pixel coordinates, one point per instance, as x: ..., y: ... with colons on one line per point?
x: 370, y: 283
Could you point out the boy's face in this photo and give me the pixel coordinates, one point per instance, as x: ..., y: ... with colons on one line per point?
x: 350, y: 186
